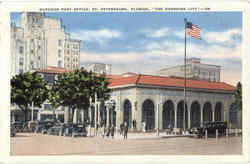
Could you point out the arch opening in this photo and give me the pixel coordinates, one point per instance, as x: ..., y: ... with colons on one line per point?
x: 218, y: 112
x: 207, y: 112
x: 168, y: 114
x: 148, y: 114
x: 127, y: 112
x: 195, y: 115
x: 180, y: 115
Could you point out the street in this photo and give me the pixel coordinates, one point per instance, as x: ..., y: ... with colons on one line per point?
x: 42, y: 144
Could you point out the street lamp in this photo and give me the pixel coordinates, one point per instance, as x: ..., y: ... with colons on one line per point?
x: 89, y: 114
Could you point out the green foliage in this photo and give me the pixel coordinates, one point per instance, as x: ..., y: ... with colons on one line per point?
x: 75, y: 89
x: 238, y: 96
x: 27, y: 88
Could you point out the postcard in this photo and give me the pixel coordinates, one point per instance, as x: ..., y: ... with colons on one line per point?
x: 120, y: 82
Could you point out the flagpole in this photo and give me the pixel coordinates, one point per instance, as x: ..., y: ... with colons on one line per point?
x: 185, y: 21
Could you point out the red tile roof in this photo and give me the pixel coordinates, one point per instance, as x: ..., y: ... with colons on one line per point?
x: 54, y: 70
x: 169, y: 82
x: 133, y: 78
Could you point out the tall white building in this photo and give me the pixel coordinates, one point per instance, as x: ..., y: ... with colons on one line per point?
x: 100, y: 68
x: 41, y: 41
x: 194, y: 70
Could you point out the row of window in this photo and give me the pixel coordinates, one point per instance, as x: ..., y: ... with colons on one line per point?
x: 74, y: 46
x: 70, y: 52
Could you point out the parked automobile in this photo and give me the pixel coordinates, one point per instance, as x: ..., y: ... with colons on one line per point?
x: 18, y: 126
x: 197, y: 132
x: 210, y: 127
x: 57, y: 129
x: 43, y: 126
x: 74, y: 130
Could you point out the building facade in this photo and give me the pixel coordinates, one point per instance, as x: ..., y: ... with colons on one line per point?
x: 194, y: 70
x: 41, y: 41
x: 148, y: 102
x: 157, y: 102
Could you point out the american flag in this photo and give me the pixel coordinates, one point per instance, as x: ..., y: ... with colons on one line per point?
x: 193, y: 30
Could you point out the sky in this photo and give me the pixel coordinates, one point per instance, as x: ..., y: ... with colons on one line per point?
x: 144, y: 42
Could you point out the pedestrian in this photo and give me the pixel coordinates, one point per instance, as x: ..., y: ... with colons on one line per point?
x: 125, y: 129
x: 144, y: 126
x: 121, y: 129
x: 170, y: 128
x: 103, y: 131
x: 134, y: 124
x: 112, y: 131
x: 108, y: 131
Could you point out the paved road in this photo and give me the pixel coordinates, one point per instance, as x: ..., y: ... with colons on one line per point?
x: 41, y: 144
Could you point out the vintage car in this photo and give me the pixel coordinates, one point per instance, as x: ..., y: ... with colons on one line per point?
x: 74, y: 130
x: 43, y: 126
x: 57, y: 129
x: 197, y: 132
x: 211, y: 128
x: 18, y: 126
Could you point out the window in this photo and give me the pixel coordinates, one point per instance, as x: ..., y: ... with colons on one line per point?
x: 59, y: 42
x: 59, y: 53
x: 67, y: 45
x: 38, y: 57
x: 32, y: 51
x: 59, y: 63
x: 39, y: 47
x: 21, y: 50
x: 47, y: 106
x: 20, y: 70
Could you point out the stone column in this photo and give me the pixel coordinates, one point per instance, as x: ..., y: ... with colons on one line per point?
x: 157, y: 119
x: 213, y: 111
x: 201, y: 115
x: 175, y: 118
x: 213, y: 115
x: 139, y: 116
x: 189, y: 118
x: 160, y: 116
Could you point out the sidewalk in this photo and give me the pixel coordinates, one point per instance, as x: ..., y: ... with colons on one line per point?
x: 153, y: 135
x: 141, y: 135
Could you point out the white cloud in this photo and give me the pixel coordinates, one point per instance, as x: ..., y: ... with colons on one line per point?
x: 221, y: 37
x: 158, y: 54
x: 157, y: 33
x: 179, y: 33
x: 96, y: 35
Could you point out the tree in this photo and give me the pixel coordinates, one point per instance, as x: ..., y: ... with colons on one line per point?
x: 238, y: 96
x: 74, y: 89
x: 27, y: 88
